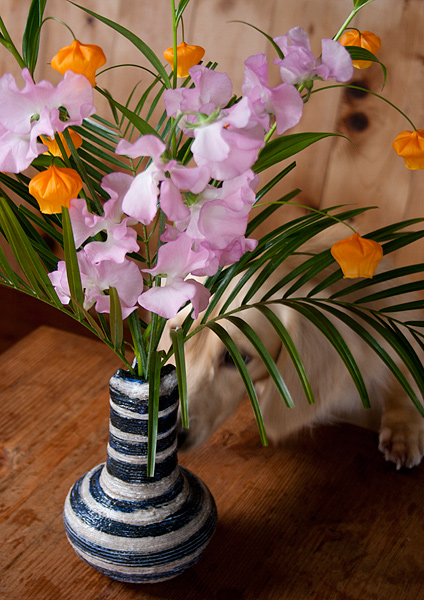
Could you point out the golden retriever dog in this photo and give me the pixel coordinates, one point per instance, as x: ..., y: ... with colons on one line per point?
x: 215, y: 387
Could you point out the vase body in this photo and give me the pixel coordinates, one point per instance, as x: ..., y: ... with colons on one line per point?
x: 129, y: 526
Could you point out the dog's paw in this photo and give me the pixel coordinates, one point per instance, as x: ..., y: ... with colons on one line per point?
x: 402, y: 443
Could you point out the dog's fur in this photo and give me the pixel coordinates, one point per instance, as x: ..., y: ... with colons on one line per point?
x: 215, y: 388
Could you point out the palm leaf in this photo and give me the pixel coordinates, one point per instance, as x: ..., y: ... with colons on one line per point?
x: 264, y: 355
x: 290, y: 347
x: 244, y: 373
x: 336, y: 340
x: 27, y: 258
x: 177, y: 337
x: 152, y: 435
x: 116, y: 323
x: 401, y: 346
x: 71, y: 261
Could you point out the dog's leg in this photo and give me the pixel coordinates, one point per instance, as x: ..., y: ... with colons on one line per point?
x: 402, y: 429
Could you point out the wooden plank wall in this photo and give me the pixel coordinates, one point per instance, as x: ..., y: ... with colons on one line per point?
x: 364, y: 172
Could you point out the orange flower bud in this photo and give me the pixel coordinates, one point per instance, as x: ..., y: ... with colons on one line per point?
x: 187, y: 57
x: 363, y: 39
x: 53, y: 146
x: 357, y: 256
x: 84, y: 59
x: 55, y: 187
x: 410, y: 146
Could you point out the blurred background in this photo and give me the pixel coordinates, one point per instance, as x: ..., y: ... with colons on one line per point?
x: 363, y: 172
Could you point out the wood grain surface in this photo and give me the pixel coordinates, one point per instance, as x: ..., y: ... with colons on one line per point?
x: 323, y: 517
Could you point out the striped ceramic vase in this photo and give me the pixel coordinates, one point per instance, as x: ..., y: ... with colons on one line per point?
x: 129, y: 526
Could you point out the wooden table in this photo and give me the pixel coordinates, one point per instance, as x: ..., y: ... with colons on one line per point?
x: 321, y: 517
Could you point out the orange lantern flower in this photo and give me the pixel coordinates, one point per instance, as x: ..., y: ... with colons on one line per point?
x: 55, y: 187
x: 187, y: 57
x: 357, y: 256
x: 362, y: 39
x: 53, y: 146
x: 84, y: 59
x: 410, y: 146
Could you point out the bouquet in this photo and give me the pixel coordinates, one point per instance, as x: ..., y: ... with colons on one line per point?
x: 156, y: 215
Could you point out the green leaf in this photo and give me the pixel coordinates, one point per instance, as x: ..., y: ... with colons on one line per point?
x: 290, y: 347
x: 380, y: 278
x: 26, y: 256
x: 244, y: 373
x: 31, y: 37
x: 268, y: 37
x: 116, y: 324
x: 136, y: 41
x: 264, y: 355
x: 336, y: 340
x: 71, y: 261
x: 402, y: 348
x: 286, y: 146
x: 359, y: 3
x: 177, y: 337
x: 140, y: 124
x: 357, y: 53
x: 152, y: 436
x: 182, y: 5
x: 139, y: 348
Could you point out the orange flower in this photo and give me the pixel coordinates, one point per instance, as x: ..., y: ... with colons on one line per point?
x: 410, y: 146
x: 357, y: 256
x: 55, y: 187
x: 84, y: 59
x: 187, y: 57
x: 53, y: 146
x: 363, y: 39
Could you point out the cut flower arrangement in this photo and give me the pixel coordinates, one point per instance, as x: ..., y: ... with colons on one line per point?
x: 152, y: 216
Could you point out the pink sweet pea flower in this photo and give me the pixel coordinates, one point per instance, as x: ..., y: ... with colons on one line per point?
x: 211, y: 90
x: 120, y: 238
x: 229, y: 145
x: 300, y: 65
x: 97, y: 278
x: 283, y: 101
x: 218, y: 222
x: 141, y: 200
x: 176, y: 260
x: 34, y: 111
x: 17, y: 151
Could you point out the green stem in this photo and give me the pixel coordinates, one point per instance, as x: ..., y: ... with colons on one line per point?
x: 10, y: 45
x: 355, y: 87
x: 348, y: 20
x: 174, y: 44
x: 270, y: 133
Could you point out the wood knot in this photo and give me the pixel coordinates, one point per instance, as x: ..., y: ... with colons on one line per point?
x: 357, y: 121
x: 355, y: 94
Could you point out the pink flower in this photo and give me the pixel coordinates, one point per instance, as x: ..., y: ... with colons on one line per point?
x: 218, y: 222
x: 17, y: 151
x: 141, y: 199
x: 176, y: 260
x: 34, y: 111
x: 300, y: 65
x: 283, y: 101
x: 97, y: 278
x: 120, y: 238
x: 229, y: 145
x: 211, y: 90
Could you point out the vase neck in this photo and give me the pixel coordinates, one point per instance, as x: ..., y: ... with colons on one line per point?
x: 126, y: 465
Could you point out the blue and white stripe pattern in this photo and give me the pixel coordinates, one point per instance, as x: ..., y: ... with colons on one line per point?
x: 129, y: 526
